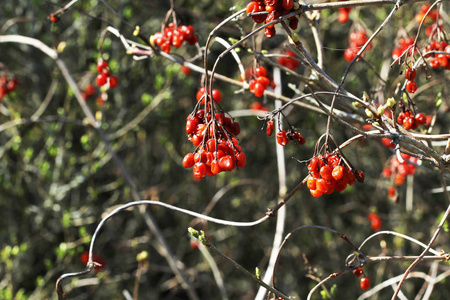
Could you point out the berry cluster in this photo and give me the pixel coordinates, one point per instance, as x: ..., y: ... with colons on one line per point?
x: 343, y: 14
x: 375, y: 221
x: 283, y: 136
x: 269, y: 10
x: 327, y: 173
x: 409, y: 121
x: 213, y: 134
x: 433, y: 15
x: 173, y: 35
x: 397, y: 172
x: 259, y: 84
x: 288, y: 62
x: 7, y: 86
x: 357, y: 40
x: 404, y: 45
x: 104, y: 77
x: 442, y: 60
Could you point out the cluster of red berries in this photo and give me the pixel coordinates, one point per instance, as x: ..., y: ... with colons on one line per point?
x: 397, y: 171
x: 173, y: 35
x: 259, y: 84
x: 104, y: 77
x: 410, y: 75
x: 214, y: 157
x: 357, y: 40
x: 7, y: 86
x: 409, y: 121
x: 343, y: 14
x: 288, y: 62
x: 375, y: 221
x: 433, y: 15
x: 269, y: 10
x: 365, y: 281
x: 404, y: 45
x: 214, y: 136
x: 326, y: 174
x: 442, y: 60
x: 283, y: 136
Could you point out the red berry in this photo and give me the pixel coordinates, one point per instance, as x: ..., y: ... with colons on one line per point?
x: 410, y: 73
x: 411, y: 86
x: 185, y: 70
x: 282, y: 138
x: 420, y: 118
x: 298, y: 138
x: 287, y: 4
x: 227, y: 163
x: 270, y: 128
x: 375, y: 221
x: 261, y: 71
x: 259, y: 89
x: 54, y: 18
x: 113, y: 81
x: 342, y: 16
x: 316, y: 193
x: 101, y: 79
x: 199, y: 170
x: 364, y: 283
x: 325, y: 172
x: 188, y: 160
x: 241, y: 160
x: 102, y: 65
x: 338, y: 172
x: 358, y: 272
x: 217, y: 95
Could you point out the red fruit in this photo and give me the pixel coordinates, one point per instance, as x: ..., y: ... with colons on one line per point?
x: 411, y: 86
x: 287, y: 4
x: 227, y: 163
x: 325, y: 172
x: 199, y: 170
x: 420, y: 118
x: 316, y: 193
x: 200, y: 93
x: 89, y: 90
x: 269, y: 32
x: 185, y: 70
x: 101, y: 79
x: 434, y: 63
x: 311, y: 183
x: 54, y: 18
x: 410, y: 73
x: 338, y: 172
x: 387, y: 172
x: 270, y: 128
x: 102, y: 65
x: 298, y: 138
x: 241, y: 160
x: 358, y: 272
x: 442, y: 59
x: 392, y: 191
x: 84, y: 257
x: 215, y: 167
x: 359, y: 175
x: 191, y: 124
x: 217, y: 95
x: 261, y: 71
x: 282, y: 138
x: 399, y: 179
x: 258, y: 89
x: 342, y: 16
x: 375, y: 221
x: 113, y: 81
x: 293, y: 22
x: 321, y: 185
x: 194, y: 244
x: 364, y: 283
x: 188, y: 160
x: 349, y: 54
